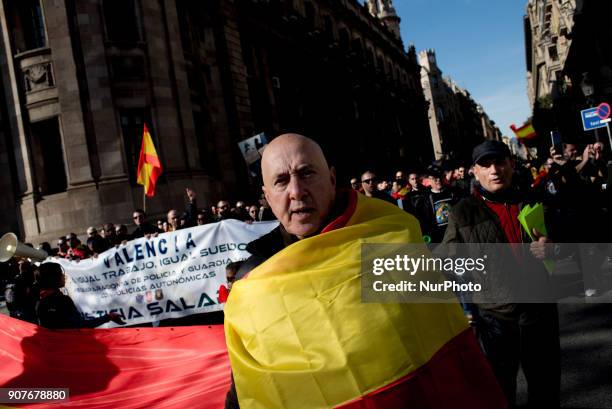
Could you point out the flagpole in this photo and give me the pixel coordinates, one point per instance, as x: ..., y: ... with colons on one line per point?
x: 144, y: 200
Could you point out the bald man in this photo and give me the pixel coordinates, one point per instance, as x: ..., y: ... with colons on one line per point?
x: 300, y: 188
x: 299, y: 185
x: 173, y: 220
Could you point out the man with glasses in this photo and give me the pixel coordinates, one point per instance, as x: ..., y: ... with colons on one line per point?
x: 76, y: 251
x: 369, y: 182
x: 91, y: 232
x: 108, y: 232
x: 143, y: 227
x: 62, y: 247
x: 224, y: 211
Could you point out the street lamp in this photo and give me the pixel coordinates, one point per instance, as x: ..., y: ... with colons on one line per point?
x: 588, y: 90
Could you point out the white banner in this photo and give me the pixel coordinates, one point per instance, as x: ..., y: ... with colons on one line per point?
x: 173, y: 275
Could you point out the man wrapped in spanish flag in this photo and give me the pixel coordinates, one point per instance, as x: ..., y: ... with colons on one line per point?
x: 297, y: 333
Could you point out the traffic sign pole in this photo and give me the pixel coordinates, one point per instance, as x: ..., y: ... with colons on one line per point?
x: 609, y: 136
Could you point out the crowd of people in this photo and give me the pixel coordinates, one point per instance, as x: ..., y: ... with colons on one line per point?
x: 452, y: 203
x: 572, y: 183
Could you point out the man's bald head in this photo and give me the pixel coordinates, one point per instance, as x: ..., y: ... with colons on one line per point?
x: 292, y: 141
x: 173, y: 219
x: 299, y: 185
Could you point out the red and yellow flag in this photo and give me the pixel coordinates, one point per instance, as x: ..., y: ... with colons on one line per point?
x: 174, y: 368
x: 525, y: 132
x: 300, y: 337
x: 149, y: 166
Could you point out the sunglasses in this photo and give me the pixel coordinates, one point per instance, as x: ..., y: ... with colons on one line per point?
x: 368, y: 181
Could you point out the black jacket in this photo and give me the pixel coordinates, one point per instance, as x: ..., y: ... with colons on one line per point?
x: 144, y: 228
x: 57, y: 311
x: 265, y: 247
x: 471, y: 221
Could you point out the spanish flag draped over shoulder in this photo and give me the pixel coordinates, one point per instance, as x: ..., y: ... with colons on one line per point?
x: 525, y: 132
x: 149, y: 166
x: 299, y: 336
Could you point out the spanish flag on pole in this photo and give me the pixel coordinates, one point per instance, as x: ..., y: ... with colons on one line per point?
x: 525, y: 132
x: 300, y: 337
x: 149, y: 167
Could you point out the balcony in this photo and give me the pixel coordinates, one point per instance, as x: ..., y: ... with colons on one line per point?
x: 38, y: 77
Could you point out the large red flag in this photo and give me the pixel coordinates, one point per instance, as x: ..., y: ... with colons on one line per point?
x: 181, y: 367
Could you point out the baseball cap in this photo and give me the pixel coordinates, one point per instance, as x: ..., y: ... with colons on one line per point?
x: 435, y: 171
x: 491, y: 149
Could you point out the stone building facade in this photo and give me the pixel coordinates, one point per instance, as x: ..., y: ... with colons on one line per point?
x: 568, y: 67
x: 81, y: 77
x: 456, y: 121
x: 548, y: 24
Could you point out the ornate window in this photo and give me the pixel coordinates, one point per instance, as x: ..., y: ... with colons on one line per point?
x: 121, y: 20
x: 48, y: 156
x: 28, y: 24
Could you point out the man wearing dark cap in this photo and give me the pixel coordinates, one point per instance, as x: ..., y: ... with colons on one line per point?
x: 510, y: 334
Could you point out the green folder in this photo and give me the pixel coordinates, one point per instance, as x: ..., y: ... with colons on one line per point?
x: 532, y: 217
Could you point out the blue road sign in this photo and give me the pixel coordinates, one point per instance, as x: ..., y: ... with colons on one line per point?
x: 590, y: 119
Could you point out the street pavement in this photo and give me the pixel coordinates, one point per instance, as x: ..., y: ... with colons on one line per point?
x: 586, y: 350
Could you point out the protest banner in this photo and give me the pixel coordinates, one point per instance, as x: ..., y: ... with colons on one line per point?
x: 173, y: 275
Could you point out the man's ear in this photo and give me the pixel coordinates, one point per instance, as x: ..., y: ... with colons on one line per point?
x: 263, y: 189
x: 332, y: 176
x: 476, y: 172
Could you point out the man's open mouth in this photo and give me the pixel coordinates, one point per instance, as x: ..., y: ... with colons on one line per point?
x: 302, y: 211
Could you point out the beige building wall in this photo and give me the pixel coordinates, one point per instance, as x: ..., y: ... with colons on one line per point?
x: 456, y: 122
x: 548, y: 26
x: 431, y: 81
x: 73, y: 81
